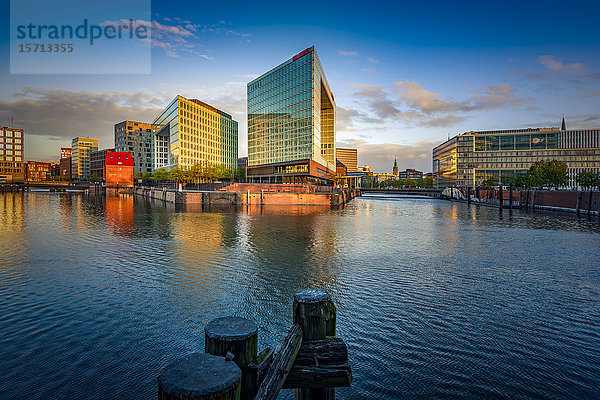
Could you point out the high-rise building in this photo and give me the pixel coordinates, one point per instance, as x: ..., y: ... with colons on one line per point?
x: 97, y: 159
x: 471, y: 158
x: 12, y: 150
x: 82, y: 147
x: 291, y: 123
x: 189, y: 132
x: 137, y: 139
x: 348, y: 157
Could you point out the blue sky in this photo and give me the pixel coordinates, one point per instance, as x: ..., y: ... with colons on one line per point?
x: 405, y: 75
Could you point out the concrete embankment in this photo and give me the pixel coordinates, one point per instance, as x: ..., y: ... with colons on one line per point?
x: 580, y: 202
x: 220, y: 198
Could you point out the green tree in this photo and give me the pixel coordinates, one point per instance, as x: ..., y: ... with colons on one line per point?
x: 161, y: 174
x: 94, y: 178
x: 176, y: 174
x: 587, y: 179
x: 551, y: 173
x: 490, y: 183
x: 428, y: 182
x: 240, y: 173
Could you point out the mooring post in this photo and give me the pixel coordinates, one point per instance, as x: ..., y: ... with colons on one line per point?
x: 500, y: 197
x: 578, y: 202
x: 589, y: 209
x: 469, y: 195
x: 510, y: 196
x: 200, y: 376
x: 238, y: 336
x: 315, y: 312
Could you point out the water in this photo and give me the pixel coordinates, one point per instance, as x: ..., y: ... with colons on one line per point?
x: 434, y: 299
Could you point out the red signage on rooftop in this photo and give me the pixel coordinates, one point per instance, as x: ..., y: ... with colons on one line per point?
x: 302, y: 53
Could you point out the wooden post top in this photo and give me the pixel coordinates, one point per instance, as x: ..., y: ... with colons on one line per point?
x: 198, y: 374
x: 231, y: 328
x: 311, y: 296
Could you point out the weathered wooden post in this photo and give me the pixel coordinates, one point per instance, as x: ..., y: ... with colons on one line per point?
x: 510, y: 196
x: 315, y: 312
x: 578, y: 202
x: 238, y: 336
x: 200, y: 376
x: 589, y: 210
x: 469, y: 195
x: 500, y: 197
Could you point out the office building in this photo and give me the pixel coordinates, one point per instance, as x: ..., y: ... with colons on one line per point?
x: 467, y: 160
x: 97, y: 159
x: 37, y: 171
x: 189, y: 132
x: 242, y: 162
x: 291, y: 123
x: 137, y: 138
x: 348, y: 157
x: 82, y: 147
x: 118, y: 168
x: 410, y: 174
x: 65, y: 169
x: 12, y: 150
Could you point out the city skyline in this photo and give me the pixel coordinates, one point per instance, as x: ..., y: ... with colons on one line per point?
x: 404, y: 80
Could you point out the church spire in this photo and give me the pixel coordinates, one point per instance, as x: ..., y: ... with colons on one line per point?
x: 563, y: 127
x: 395, y: 170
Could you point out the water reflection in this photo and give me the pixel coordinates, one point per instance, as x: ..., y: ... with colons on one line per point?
x: 435, y: 299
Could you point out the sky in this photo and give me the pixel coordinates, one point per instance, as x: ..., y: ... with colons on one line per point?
x: 405, y: 75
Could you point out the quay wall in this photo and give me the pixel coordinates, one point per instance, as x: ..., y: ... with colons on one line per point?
x: 239, y: 198
x: 557, y: 200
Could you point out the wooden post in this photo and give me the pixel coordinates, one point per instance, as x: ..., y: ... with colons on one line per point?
x: 315, y: 312
x: 578, y: 202
x: 500, y: 197
x: 199, y: 376
x: 510, y: 196
x: 238, y: 336
x: 469, y: 195
x: 533, y: 201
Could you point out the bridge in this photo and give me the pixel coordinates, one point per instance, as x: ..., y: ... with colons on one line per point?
x: 408, y: 192
x: 55, y: 185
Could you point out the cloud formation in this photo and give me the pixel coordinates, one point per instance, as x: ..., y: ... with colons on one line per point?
x: 412, y: 105
x: 347, y: 53
x: 556, y: 65
x: 380, y: 156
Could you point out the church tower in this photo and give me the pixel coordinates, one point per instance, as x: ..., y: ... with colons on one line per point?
x: 395, y: 170
x: 563, y: 126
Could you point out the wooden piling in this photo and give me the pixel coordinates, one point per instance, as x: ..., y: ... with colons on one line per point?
x: 238, y: 336
x: 500, y: 197
x: 200, y: 376
x: 315, y: 312
x: 591, y: 197
x: 469, y: 195
x: 510, y: 197
x: 578, y: 202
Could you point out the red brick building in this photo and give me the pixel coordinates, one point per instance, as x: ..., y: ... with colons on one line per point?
x: 38, y: 171
x: 118, y: 169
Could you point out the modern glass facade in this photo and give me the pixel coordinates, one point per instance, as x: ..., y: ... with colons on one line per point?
x: 291, y: 117
x: 82, y: 147
x: 477, y: 156
x: 189, y: 132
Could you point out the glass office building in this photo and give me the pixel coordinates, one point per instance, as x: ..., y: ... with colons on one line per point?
x: 189, y: 132
x: 469, y: 159
x: 81, y: 148
x: 136, y: 138
x: 291, y: 123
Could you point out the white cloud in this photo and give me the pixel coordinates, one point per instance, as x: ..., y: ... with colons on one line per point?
x: 347, y: 53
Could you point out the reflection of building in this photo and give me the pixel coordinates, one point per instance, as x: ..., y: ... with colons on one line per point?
x: 189, y: 132
x: 97, y: 159
x: 118, y: 169
x: 135, y: 138
x: 291, y: 123
x: 471, y: 158
x: 410, y: 174
x: 80, y: 157
x: 348, y: 157
x: 11, y: 155
x: 38, y: 171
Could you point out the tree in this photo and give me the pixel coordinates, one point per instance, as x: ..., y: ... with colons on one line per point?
x: 552, y: 173
x: 490, y: 183
x: 176, y: 174
x: 94, y: 178
x: 240, y: 174
x: 587, y: 179
x: 161, y: 174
